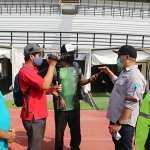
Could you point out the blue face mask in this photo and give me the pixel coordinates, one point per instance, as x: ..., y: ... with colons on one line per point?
x: 119, y: 64
x: 38, y: 61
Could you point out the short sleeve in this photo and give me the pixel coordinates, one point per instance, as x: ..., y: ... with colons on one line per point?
x: 135, y: 89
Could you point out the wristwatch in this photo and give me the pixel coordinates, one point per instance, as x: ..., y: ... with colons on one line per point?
x: 118, y: 123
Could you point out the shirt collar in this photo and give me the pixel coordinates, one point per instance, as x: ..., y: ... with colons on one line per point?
x: 131, y: 67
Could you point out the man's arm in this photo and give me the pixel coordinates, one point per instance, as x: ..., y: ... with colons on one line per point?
x: 12, y: 128
x: 124, y: 116
x: 9, y: 136
x: 63, y: 104
x: 49, y: 75
x: 106, y: 70
x: 83, y: 81
x: 55, y: 88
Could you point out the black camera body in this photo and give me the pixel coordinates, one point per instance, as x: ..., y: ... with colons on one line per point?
x: 61, y: 58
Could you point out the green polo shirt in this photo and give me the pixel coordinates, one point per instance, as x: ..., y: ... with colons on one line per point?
x: 69, y: 79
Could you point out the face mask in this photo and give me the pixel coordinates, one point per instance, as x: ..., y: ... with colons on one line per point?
x: 70, y: 58
x: 38, y: 61
x: 119, y: 64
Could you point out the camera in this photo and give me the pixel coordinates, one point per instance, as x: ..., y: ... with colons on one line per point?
x: 61, y: 58
x: 58, y: 66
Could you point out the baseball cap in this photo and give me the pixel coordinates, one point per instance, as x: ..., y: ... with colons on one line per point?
x: 127, y: 50
x: 66, y: 48
x: 32, y: 48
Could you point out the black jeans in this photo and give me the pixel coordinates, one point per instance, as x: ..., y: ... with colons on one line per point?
x: 125, y: 143
x: 73, y: 119
x: 35, y: 132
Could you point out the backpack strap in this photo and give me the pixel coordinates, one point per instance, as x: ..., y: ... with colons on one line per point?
x: 26, y: 95
x: 79, y: 87
x: 27, y: 67
x: 76, y: 66
x: 18, y: 78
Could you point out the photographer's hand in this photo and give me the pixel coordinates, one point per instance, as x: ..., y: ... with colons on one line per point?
x: 52, y: 61
x: 49, y: 75
x: 63, y: 104
x: 57, y: 88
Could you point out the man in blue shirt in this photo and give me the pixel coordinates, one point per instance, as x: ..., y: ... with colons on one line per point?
x: 6, y: 134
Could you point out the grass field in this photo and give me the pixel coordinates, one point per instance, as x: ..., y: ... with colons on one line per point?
x: 83, y: 105
x: 101, y: 100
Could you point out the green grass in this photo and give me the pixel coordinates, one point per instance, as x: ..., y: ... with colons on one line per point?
x: 10, y: 104
x: 101, y: 100
x: 84, y: 105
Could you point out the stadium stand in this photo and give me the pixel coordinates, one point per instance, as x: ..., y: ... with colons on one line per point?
x: 95, y: 24
x: 84, y: 31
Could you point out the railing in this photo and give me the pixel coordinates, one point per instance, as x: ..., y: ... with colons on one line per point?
x: 30, y: 9
x: 86, y: 2
x: 112, y: 9
x: 69, y: 1
x: 82, y: 40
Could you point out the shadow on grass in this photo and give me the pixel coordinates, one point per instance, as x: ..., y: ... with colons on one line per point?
x: 101, y: 94
x: 101, y: 100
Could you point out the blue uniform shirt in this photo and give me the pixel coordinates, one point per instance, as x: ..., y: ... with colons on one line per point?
x: 4, y: 122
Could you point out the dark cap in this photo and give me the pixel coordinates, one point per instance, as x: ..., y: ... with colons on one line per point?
x: 127, y: 50
x: 66, y: 48
x: 32, y: 48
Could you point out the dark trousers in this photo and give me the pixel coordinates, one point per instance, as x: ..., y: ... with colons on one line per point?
x: 73, y: 119
x: 125, y: 143
x: 35, y: 132
x: 147, y: 143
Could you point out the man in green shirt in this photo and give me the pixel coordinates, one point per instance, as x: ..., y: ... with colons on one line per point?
x: 70, y: 76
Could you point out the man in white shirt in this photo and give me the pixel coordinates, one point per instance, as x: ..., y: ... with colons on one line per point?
x: 127, y: 94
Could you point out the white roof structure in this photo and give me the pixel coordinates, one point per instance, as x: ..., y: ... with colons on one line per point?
x: 77, y: 23
x: 5, y: 53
